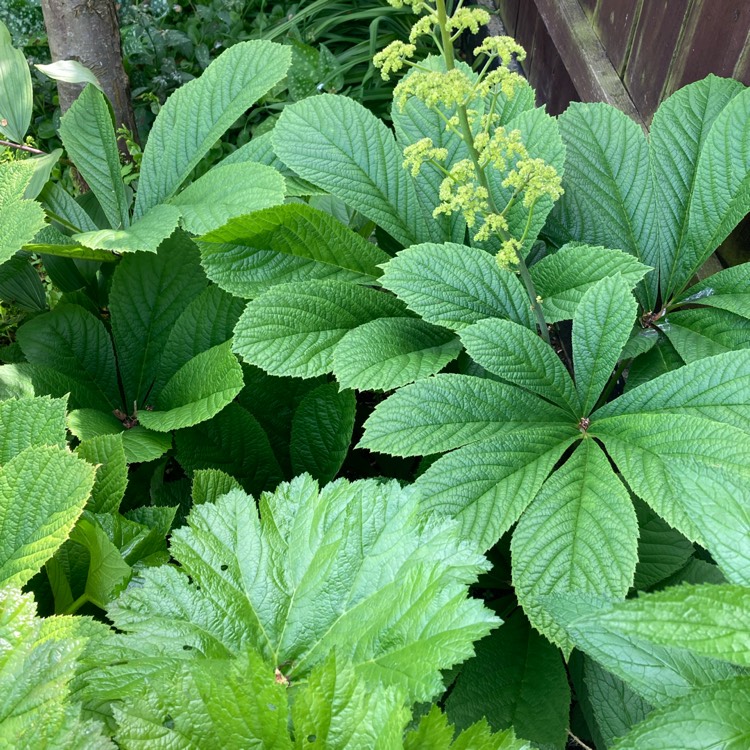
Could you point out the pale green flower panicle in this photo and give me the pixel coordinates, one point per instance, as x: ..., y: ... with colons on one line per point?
x: 536, y: 179
x: 507, y: 256
x: 393, y: 58
x: 420, y: 152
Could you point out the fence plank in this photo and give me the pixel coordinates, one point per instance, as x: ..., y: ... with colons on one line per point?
x: 509, y: 14
x: 615, y: 22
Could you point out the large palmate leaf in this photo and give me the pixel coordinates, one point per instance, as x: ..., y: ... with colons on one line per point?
x: 228, y: 191
x: 73, y: 342
x: 455, y: 285
x: 30, y: 422
x: 42, y: 492
x: 721, y: 195
x: 349, y: 568
x: 287, y: 243
x: 448, y: 411
x: 516, y: 354
x: 487, y: 485
x: 678, y: 135
x: 16, y: 95
x: 88, y: 135
x: 199, y: 113
x: 38, y: 660
x: 149, y: 292
x: 387, y: 353
x: 293, y: 329
x: 337, y: 144
x: 580, y: 534
x: 562, y: 278
x: 608, y: 198
x: 20, y: 219
x: 517, y: 679
x: 601, y: 325
x: 716, y: 716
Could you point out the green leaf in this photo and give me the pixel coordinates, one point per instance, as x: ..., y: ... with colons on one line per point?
x: 322, y: 431
x: 350, y: 568
x: 71, y: 341
x: 43, y: 165
x: 561, y: 279
x: 448, y: 411
x: 226, y: 192
x: 108, y: 573
x: 199, y: 390
x: 288, y: 243
x: 487, y: 485
x: 207, y: 704
x: 678, y: 136
x: 721, y: 197
x: 69, y: 71
x: 234, y: 442
x: 199, y: 113
x: 704, y: 332
x: 20, y: 219
x: 518, y: 355
x: 30, y: 423
x: 107, y: 453
x: 602, y: 324
x: 660, y: 357
x: 455, y: 285
x: 715, y: 716
x: 210, y: 484
x: 20, y: 283
x: 387, y: 353
x: 728, y: 290
x: 715, y: 388
x: 88, y: 135
x: 337, y: 144
x: 61, y: 205
x: 517, y: 679
x: 145, y: 234
x: 16, y: 94
x: 42, y: 493
x: 608, y: 198
x: 579, y: 535
x: 149, y: 292
x: 293, y: 329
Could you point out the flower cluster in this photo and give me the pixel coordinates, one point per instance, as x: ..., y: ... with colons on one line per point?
x: 393, y: 57
x: 420, y: 152
x: 468, y: 18
x: 435, y: 88
x: 503, y: 47
x: 536, y: 179
x: 461, y: 192
x: 507, y: 256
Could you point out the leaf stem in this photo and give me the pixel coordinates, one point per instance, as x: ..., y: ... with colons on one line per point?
x: 21, y: 147
x: 77, y: 604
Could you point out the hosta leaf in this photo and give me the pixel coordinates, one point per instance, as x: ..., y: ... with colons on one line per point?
x: 107, y: 453
x: 704, y: 332
x: 73, y: 342
x: 149, y: 292
x: 455, y: 286
x: 30, y: 422
x: 199, y: 113
x: 145, y: 234
x: 608, y: 198
x: 715, y: 716
x: 88, y: 135
x: 716, y: 388
x: 693, y: 472
x: 199, y: 390
x: 37, y: 663
x: 518, y: 355
x: 728, y: 290
x: 350, y: 568
x: 448, y: 411
x: 601, y: 326
x: 337, y: 144
x: 42, y: 493
x: 579, y: 535
x: 293, y: 329
x: 562, y: 278
x: 487, y: 485
x: 225, y: 192
x: 16, y: 95
x: 678, y: 135
x: 20, y: 219
x: 322, y: 431
x: 390, y: 352
x: 283, y: 244
x: 721, y: 197
x: 517, y: 679
x: 656, y: 673
x: 234, y: 442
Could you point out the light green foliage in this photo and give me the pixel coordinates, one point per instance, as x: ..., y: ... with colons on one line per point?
x: 30, y: 422
x: 199, y: 113
x: 20, y: 219
x: 16, y: 95
x: 107, y: 453
x: 409, y: 586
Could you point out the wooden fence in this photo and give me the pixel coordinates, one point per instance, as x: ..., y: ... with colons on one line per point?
x: 632, y: 53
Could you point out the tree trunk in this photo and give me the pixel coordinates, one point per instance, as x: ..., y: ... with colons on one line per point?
x: 88, y: 31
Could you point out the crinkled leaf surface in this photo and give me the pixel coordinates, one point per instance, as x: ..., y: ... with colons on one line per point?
x: 107, y: 453
x: 199, y: 113
x: 455, y: 285
x: 349, y: 568
x: 30, y: 422
x: 20, y: 219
